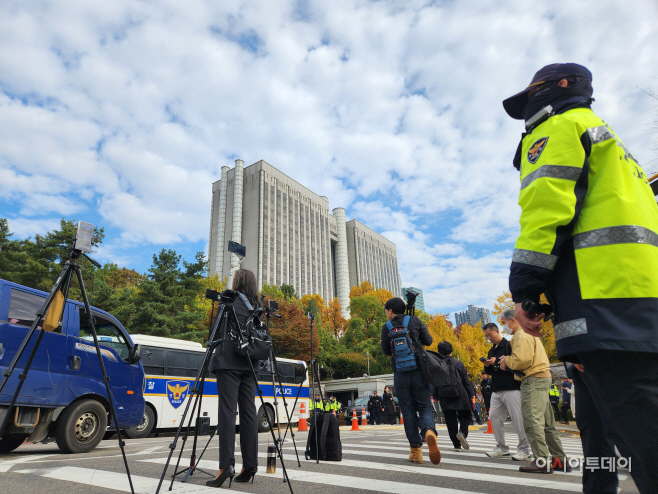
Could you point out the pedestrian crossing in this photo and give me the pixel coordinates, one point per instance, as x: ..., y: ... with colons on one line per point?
x: 376, y: 462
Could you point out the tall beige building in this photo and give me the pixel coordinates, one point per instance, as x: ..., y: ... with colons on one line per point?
x: 292, y: 238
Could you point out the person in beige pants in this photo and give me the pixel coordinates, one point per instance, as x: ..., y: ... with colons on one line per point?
x: 529, y: 357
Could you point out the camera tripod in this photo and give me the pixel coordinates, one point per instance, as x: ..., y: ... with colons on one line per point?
x: 226, y: 311
x: 63, y: 283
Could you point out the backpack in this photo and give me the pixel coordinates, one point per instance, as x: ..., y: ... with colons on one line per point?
x: 452, y: 387
x: 401, y: 346
x: 328, y: 446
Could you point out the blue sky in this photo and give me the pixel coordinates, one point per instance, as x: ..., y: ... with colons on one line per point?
x: 123, y: 113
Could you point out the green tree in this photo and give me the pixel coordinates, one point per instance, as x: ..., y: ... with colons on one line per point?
x: 273, y: 292
x: 166, y: 301
x: 289, y: 292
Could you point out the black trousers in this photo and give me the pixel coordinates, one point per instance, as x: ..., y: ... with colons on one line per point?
x: 236, y: 389
x: 487, y: 402
x: 464, y: 418
x: 390, y: 418
x: 563, y: 412
x: 374, y: 416
x: 624, y: 390
x: 595, y: 442
x: 555, y: 406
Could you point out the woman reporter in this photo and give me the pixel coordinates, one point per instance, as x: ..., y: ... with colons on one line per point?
x: 235, y: 388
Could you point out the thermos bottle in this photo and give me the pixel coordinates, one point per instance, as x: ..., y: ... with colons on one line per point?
x: 271, y: 459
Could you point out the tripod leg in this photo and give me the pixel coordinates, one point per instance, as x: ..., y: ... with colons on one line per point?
x: 204, y: 366
x: 269, y: 422
x: 63, y: 280
x: 106, y: 379
x: 187, y: 433
x: 285, y: 406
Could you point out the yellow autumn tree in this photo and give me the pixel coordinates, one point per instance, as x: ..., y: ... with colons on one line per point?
x: 363, y: 289
x: 440, y: 330
x: 306, y: 300
x: 383, y: 294
x: 473, y: 346
x: 331, y: 315
x: 504, y: 301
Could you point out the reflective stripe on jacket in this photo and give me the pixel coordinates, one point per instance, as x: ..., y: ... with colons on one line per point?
x: 589, y: 236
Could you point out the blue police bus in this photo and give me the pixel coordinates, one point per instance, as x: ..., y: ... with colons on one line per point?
x: 64, y: 398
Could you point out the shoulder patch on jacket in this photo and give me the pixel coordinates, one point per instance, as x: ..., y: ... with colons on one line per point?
x: 536, y: 149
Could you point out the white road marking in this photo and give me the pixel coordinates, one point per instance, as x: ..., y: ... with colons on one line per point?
x: 6, y: 465
x: 367, y: 484
x: 116, y: 481
x: 442, y: 445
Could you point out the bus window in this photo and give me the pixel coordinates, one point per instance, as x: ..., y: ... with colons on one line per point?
x: 23, y: 307
x: 300, y: 373
x: 153, y: 360
x: 286, y: 373
x: 183, y: 364
x: 108, y: 334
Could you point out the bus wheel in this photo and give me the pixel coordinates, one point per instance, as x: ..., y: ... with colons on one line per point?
x: 81, y: 427
x: 263, y: 425
x: 145, y: 428
x: 10, y: 443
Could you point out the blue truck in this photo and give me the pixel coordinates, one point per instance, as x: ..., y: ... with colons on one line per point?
x: 63, y: 398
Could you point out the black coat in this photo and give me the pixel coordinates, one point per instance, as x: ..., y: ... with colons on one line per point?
x: 501, y: 380
x: 228, y: 359
x: 416, y: 328
x: 389, y: 404
x: 375, y: 403
x: 460, y: 402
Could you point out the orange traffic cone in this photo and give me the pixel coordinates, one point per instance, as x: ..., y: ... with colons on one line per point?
x: 355, y: 421
x: 333, y: 412
x: 489, y: 429
x: 401, y: 419
x: 302, y: 425
x: 363, y: 416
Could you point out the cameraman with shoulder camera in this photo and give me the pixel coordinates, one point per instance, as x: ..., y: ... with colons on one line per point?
x: 506, y: 397
x: 235, y: 385
x: 411, y: 388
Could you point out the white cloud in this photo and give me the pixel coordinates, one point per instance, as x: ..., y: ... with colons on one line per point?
x: 135, y: 106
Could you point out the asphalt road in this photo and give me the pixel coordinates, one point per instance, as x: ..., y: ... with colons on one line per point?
x: 374, y: 459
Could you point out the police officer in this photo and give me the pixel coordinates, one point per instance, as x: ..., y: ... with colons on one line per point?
x: 316, y: 404
x: 334, y: 405
x: 589, y: 241
x: 375, y: 404
x: 554, y: 397
x: 486, y: 390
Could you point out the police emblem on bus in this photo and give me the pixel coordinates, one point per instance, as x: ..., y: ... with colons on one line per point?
x: 177, y: 392
x: 536, y: 149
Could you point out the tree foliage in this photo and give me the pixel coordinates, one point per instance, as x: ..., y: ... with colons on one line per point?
x: 333, y: 318
x: 504, y: 301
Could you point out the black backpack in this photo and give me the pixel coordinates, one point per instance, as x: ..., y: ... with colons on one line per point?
x: 329, y: 446
x: 452, y: 387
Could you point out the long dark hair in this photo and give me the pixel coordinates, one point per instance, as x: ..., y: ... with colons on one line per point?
x: 244, y: 282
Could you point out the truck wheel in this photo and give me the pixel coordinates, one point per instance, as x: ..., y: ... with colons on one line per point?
x: 145, y: 427
x: 10, y: 443
x: 81, y: 427
x: 263, y: 425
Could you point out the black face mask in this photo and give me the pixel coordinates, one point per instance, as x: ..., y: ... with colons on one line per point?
x: 550, y: 94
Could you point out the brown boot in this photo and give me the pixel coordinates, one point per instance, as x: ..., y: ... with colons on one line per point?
x: 433, y: 445
x: 416, y: 455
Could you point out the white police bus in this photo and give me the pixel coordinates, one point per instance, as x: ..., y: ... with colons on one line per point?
x: 170, y: 367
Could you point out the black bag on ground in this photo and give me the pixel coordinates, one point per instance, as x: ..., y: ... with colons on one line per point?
x: 329, y: 446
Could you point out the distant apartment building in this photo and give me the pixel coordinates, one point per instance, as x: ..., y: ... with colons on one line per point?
x: 291, y: 236
x: 472, y: 316
x: 420, y: 302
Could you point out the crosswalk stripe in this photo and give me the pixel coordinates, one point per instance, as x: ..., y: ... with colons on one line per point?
x: 116, y: 481
x: 451, y: 461
x: 442, y: 444
x: 542, y: 482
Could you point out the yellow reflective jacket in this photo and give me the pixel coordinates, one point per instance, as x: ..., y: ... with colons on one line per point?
x: 589, y: 236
